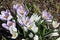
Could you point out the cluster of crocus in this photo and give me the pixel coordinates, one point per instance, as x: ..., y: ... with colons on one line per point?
x: 10, y: 25
x: 48, y: 17
x: 24, y: 20
x: 27, y: 23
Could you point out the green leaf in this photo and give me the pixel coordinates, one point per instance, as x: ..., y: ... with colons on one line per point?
x: 3, y: 38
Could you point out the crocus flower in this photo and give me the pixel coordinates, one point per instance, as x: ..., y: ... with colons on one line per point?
x: 5, y: 15
x: 20, y: 9
x: 23, y: 21
x: 55, y: 24
x: 47, y: 16
x: 36, y: 37
x: 11, y: 26
x: 35, y: 18
x: 33, y: 27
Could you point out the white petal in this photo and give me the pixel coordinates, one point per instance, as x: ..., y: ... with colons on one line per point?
x: 55, y: 24
x: 10, y: 17
x: 35, y: 29
x: 25, y: 29
x: 54, y: 34
x: 11, y: 30
x: 55, y: 29
x: 14, y: 37
x: 14, y: 29
x: 36, y: 37
x: 35, y: 17
x: 3, y: 12
x: 58, y: 38
x: 30, y: 35
x: 23, y: 39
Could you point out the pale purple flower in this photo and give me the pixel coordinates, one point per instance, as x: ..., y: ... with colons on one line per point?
x: 11, y: 26
x: 46, y: 15
x: 20, y: 9
x: 23, y: 20
x: 4, y: 25
x: 5, y: 15
x: 8, y: 24
x: 16, y: 6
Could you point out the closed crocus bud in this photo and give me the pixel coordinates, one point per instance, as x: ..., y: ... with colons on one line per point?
x: 36, y: 37
x: 55, y: 24
x: 31, y: 35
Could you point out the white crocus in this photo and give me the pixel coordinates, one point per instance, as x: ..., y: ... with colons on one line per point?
x: 58, y: 38
x: 33, y: 27
x: 13, y: 31
x: 55, y: 24
x: 54, y: 34
x: 31, y: 35
x: 36, y: 37
x: 35, y: 17
x: 14, y: 35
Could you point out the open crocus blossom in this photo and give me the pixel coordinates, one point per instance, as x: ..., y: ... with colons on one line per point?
x: 5, y: 15
x: 33, y: 27
x: 23, y: 20
x: 20, y: 9
x: 47, y: 16
x: 35, y: 18
x: 11, y: 26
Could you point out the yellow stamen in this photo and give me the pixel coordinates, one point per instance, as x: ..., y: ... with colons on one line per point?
x: 30, y: 27
x: 45, y: 17
x: 6, y: 17
x: 14, y: 34
x: 22, y: 12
